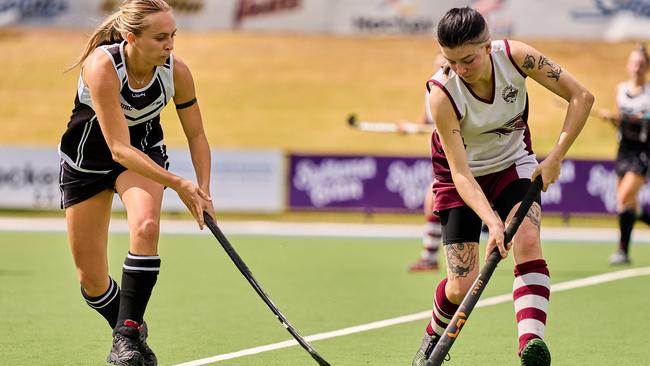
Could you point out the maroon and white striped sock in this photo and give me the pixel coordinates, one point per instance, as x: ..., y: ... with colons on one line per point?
x: 443, y: 311
x: 431, y: 238
x: 530, y: 291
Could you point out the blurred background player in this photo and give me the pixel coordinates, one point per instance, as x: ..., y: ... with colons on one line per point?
x: 114, y: 143
x: 632, y: 117
x: 484, y: 163
x: 428, y: 260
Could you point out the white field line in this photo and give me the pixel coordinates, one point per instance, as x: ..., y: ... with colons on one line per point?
x: 558, y: 287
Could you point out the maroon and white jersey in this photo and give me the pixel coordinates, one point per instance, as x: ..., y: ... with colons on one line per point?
x: 495, y: 131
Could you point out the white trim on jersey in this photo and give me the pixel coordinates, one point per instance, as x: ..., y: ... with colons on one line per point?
x: 74, y: 166
x: 82, y: 142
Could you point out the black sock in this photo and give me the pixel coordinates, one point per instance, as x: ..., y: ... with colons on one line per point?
x: 139, y: 275
x: 626, y: 223
x: 645, y: 217
x: 106, y: 304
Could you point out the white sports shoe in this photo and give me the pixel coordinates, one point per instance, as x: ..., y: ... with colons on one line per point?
x: 618, y: 258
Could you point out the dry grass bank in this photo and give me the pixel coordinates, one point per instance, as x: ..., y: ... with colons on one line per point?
x: 293, y: 92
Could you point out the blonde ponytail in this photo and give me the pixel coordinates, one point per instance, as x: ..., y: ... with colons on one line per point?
x: 104, y: 34
x: 129, y: 18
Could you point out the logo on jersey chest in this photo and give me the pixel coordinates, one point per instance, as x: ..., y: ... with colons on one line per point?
x: 509, y: 94
x: 138, y: 95
x: 515, y: 124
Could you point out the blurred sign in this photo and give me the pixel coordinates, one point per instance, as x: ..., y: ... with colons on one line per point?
x: 256, y: 181
x: 242, y: 180
x: 364, y: 183
x: 393, y: 183
x: 563, y: 19
x: 29, y: 178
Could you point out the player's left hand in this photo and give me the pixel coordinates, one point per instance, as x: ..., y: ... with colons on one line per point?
x: 549, y: 169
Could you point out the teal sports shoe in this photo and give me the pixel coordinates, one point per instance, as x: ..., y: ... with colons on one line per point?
x: 535, y: 353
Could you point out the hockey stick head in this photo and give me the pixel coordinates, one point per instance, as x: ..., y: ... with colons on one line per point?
x: 352, y: 120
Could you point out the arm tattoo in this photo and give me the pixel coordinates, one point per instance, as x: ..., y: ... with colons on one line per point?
x: 529, y: 62
x: 554, y: 69
x: 461, y: 258
x: 535, y: 214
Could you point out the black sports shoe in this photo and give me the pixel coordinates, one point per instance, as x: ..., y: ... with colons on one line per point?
x: 427, y: 346
x: 126, y: 345
x: 535, y: 353
x: 147, y: 354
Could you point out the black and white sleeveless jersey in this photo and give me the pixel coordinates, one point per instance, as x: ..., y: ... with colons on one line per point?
x: 83, y: 146
x: 635, y: 113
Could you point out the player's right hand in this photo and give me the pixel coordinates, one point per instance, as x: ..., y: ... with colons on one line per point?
x: 495, y: 240
x: 195, y: 200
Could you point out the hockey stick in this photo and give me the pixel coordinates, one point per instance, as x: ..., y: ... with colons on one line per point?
x: 471, y: 298
x: 221, y: 238
x: 409, y: 128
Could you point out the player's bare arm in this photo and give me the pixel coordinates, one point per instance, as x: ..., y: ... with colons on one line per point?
x: 555, y: 78
x: 189, y: 114
x: 448, y: 128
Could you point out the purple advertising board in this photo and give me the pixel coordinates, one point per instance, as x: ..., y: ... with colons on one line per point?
x: 395, y: 183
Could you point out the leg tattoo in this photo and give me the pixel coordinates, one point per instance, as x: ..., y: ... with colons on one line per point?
x: 535, y: 214
x: 461, y: 258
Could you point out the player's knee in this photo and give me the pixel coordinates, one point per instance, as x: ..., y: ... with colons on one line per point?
x: 528, y: 238
x: 528, y: 245
x: 146, y: 231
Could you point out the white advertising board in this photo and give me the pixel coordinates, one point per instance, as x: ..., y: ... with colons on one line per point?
x: 242, y: 180
x: 29, y: 177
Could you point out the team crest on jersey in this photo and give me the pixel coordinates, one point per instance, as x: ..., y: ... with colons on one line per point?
x: 515, y: 124
x: 509, y: 94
